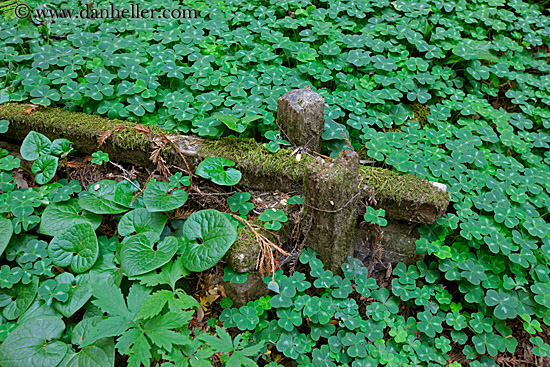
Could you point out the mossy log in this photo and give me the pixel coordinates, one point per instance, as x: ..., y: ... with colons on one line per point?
x: 80, y: 128
x: 404, y: 197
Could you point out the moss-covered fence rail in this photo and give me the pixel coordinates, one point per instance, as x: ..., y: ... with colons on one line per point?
x: 406, y: 199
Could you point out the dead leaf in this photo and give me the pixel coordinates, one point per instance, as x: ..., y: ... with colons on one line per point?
x: 108, y: 133
x: 200, y: 315
x: 31, y: 108
x: 20, y: 181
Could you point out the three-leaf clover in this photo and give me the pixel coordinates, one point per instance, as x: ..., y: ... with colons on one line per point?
x: 238, y: 202
x: 275, y: 140
x: 375, y: 216
x: 50, y: 290
x: 100, y: 157
x: 274, y: 218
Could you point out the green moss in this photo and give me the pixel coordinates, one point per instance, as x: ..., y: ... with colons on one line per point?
x: 400, y: 187
x: 244, y: 252
x: 421, y: 112
x: 256, y: 159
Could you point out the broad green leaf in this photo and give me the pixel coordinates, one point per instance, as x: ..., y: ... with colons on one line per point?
x: 124, y: 194
x: 80, y: 292
x: 61, y: 146
x: 139, y: 255
x: 99, y: 354
x: 101, y: 198
x: 169, y: 274
x: 208, y: 235
x: 141, y: 220
x: 45, y: 168
x: 37, y: 309
x: 161, y: 197
x: 76, y: 247
x: 6, y: 231
x: 213, y: 169
x: 21, y: 297
x: 58, y: 217
x: 33, y: 344
x: 35, y: 145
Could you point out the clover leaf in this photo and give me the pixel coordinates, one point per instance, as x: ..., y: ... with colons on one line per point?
x: 50, y: 290
x: 100, y: 157
x: 238, y: 202
x: 276, y: 140
x: 4, y: 125
x: 375, y: 216
x: 231, y: 276
x: 274, y: 218
x: 235, y: 123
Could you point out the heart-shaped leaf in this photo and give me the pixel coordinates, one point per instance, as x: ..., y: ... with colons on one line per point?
x: 141, y: 220
x: 33, y: 344
x: 58, y: 217
x: 139, y: 254
x: 45, y: 167
x: 213, y: 168
x: 6, y: 231
x: 35, y: 145
x: 101, y: 198
x: 161, y: 197
x: 208, y: 235
x: 20, y: 298
x: 61, y: 146
x: 80, y: 292
x: 124, y: 194
x: 76, y: 247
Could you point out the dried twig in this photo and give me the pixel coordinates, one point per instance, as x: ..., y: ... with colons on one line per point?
x: 159, y: 140
x: 266, y: 254
x: 345, y: 136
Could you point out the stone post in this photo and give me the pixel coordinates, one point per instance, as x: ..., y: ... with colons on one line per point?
x: 301, y: 117
x: 331, y: 200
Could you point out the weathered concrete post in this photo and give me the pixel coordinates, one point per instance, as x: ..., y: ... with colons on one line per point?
x: 331, y: 198
x: 301, y: 116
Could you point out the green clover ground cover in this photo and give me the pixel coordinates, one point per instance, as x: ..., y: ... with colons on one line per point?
x: 481, y: 66
x: 368, y: 59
